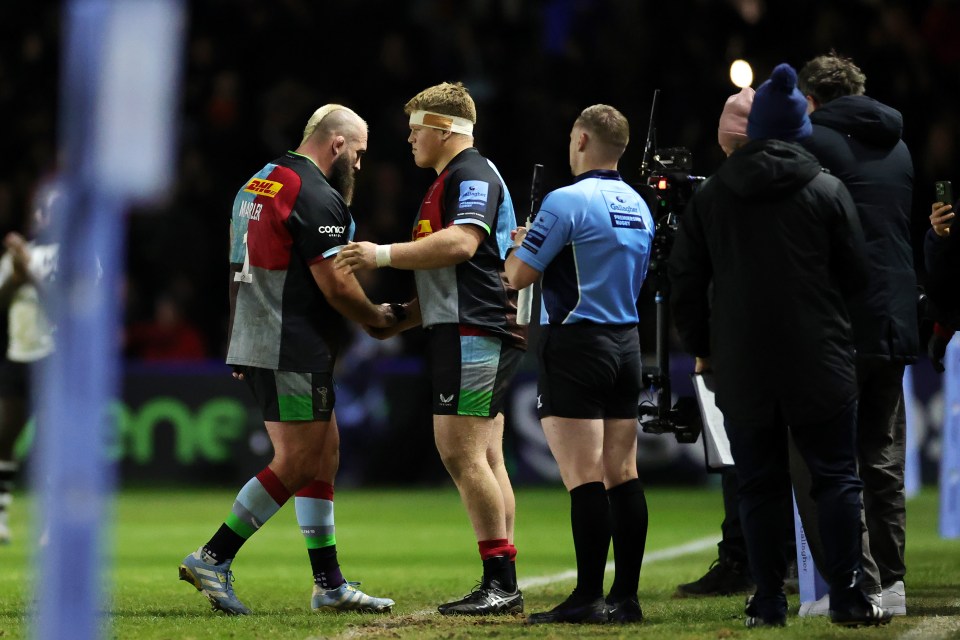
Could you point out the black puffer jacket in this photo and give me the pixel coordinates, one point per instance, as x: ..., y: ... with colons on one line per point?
x: 781, y: 242
x: 858, y: 140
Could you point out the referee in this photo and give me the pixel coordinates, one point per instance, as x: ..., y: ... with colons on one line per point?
x: 591, y: 243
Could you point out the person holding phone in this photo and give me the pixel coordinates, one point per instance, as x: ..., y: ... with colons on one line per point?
x: 942, y: 261
x: 941, y: 217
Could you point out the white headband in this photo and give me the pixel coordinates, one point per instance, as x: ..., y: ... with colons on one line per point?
x: 442, y: 122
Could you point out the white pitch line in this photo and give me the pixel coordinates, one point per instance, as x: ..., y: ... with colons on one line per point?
x: 654, y: 556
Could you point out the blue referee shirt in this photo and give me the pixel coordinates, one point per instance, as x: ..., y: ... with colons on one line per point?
x: 591, y: 240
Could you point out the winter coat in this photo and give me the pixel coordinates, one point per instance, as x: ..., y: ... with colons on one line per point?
x: 781, y: 242
x: 857, y: 139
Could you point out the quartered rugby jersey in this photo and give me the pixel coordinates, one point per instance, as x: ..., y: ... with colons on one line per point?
x: 470, y: 191
x: 591, y: 240
x: 286, y: 218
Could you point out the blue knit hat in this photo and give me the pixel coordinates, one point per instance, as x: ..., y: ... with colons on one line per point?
x: 779, y: 109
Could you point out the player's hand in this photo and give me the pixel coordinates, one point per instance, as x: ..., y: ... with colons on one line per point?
x: 238, y: 372
x: 940, y: 218
x: 517, y: 235
x: 357, y: 256
x: 702, y: 365
x: 387, y: 318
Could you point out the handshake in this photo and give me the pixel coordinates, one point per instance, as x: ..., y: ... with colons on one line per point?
x: 395, y: 318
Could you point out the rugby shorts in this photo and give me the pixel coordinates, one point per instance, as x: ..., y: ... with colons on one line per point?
x: 291, y: 396
x: 469, y: 370
x: 589, y: 371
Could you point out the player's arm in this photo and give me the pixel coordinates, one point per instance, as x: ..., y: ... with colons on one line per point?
x: 519, y: 274
x: 447, y: 247
x: 534, y: 249
x: 345, y: 294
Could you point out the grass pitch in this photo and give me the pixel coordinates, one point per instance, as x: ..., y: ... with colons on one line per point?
x: 417, y: 547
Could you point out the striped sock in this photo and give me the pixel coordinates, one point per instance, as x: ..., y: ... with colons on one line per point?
x: 314, y: 505
x: 259, y: 499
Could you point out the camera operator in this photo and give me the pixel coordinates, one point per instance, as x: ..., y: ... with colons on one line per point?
x: 591, y: 242
x: 859, y: 141
x: 782, y: 245
x: 942, y: 260
x: 730, y: 572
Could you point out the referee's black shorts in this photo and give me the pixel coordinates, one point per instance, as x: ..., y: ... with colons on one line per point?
x: 589, y: 371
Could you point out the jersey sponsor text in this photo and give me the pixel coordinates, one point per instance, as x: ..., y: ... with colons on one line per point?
x: 473, y: 195
x: 250, y: 210
x: 424, y: 228
x: 262, y: 187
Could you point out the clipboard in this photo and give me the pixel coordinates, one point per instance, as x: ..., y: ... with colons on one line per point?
x: 715, y: 443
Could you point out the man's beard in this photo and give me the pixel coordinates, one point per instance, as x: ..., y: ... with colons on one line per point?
x: 343, y: 178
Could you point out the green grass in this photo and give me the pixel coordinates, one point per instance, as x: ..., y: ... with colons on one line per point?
x: 417, y: 547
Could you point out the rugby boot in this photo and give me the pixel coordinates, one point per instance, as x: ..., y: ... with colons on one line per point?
x: 486, y: 599
x: 214, y: 581
x: 347, y: 597
x: 722, y: 579
x: 577, y: 609
x: 624, y: 610
x: 774, y: 616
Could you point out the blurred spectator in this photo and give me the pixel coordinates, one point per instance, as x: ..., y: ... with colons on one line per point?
x: 532, y: 67
x: 168, y: 335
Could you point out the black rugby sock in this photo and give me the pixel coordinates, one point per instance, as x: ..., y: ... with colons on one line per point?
x: 590, y: 521
x: 628, y: 515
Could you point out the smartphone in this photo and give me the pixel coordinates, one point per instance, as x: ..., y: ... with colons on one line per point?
x: 944, y: 192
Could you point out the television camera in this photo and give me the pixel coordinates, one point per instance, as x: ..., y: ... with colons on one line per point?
x: 667, y: 187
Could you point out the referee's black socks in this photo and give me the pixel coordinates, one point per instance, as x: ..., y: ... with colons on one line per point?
x: 590, y: 521
x: 628, y: 511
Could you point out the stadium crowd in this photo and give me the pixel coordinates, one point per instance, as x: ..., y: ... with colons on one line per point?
x: 252, y: 74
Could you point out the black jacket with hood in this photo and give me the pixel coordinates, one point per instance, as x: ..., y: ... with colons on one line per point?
x: 782, y: 245
x: 858, y: 140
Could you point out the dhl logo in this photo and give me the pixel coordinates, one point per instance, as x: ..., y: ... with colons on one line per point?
x: 424, y: 228
x: 267, y: 188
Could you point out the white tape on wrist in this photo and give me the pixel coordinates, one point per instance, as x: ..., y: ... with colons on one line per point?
x: 383, y: 255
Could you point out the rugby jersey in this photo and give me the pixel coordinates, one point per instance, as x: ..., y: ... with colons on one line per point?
x: 591, y: 240
x: 285, y: 218
x: 470, y: 190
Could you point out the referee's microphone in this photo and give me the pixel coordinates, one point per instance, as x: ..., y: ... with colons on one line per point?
x: 525, y: 298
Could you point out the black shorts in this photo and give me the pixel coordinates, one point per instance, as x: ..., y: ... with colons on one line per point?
x: 469, y: 372
x: 589, y: 371
x: 290, y: 396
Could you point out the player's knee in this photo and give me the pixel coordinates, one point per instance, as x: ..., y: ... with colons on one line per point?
x: 459, y: 463
x: 295, y: 471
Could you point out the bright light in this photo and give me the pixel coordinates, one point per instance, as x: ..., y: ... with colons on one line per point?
x: 741, y: 73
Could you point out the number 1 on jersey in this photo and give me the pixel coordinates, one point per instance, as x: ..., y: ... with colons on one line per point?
x: 244, y: 274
